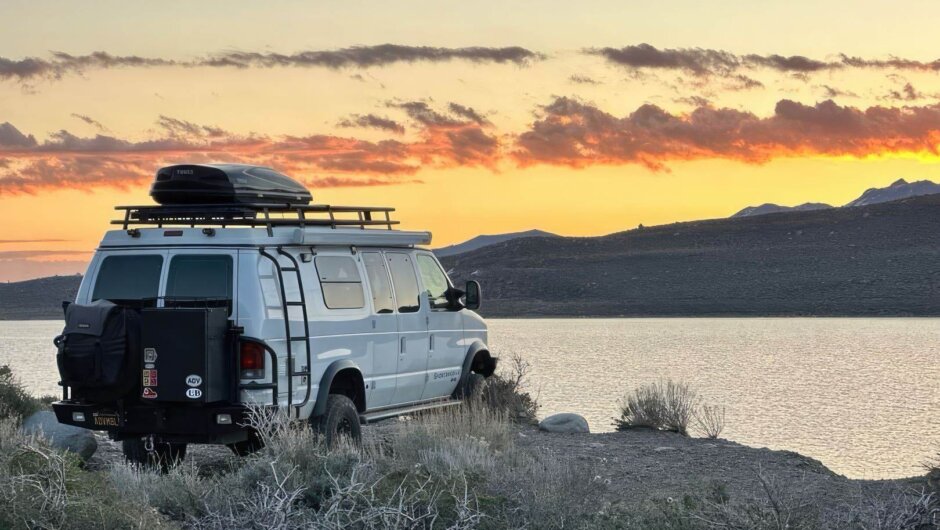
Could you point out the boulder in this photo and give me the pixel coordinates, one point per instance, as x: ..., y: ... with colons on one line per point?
x: 75, y: 439
x: 564, y: 422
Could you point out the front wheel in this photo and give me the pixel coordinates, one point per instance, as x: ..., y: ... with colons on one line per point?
x: 472, y: 387
x: 341, y: 420
x: 164, y: 455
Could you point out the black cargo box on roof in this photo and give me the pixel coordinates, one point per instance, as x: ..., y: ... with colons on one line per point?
x: 225, y: 184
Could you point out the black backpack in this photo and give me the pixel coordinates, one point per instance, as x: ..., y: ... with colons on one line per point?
x: 98, y: 351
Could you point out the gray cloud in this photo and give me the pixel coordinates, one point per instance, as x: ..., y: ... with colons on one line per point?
x: 181, y: 128
x: 468, y: 113
x: 582, y: 80
x: 90, y: 121
x: 371, y: 121
x: 905, y: 93
x: 11, y: 137
x: 698, y: 61
x: 833, y: 92
x: 703, y: 62
x: 793, y: 63
x: 61, y: 63
x: 370, y: 56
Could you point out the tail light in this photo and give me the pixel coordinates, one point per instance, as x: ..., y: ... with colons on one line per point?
x: 251, y: 360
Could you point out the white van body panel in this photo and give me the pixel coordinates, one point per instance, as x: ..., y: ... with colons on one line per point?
x: 404, y: 357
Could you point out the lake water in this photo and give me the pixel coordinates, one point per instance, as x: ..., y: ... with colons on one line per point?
x: 861, y: 395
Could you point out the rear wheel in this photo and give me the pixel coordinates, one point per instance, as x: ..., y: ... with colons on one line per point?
x: 341, y: 420
x: 164, y: 455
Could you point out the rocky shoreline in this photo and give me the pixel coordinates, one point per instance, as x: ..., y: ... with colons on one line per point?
x: 643, y: 465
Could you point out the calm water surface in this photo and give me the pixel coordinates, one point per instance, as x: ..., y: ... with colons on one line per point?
x: 861, y: 395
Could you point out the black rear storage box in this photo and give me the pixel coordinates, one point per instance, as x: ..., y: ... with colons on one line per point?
x: 225, y: 184
x: 184, y: 355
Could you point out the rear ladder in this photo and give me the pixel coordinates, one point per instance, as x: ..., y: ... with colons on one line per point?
x: 290, y: 339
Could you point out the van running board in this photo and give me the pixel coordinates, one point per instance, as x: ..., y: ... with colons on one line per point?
x: 372, y: 417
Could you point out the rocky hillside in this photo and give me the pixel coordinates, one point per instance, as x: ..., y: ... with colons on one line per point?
x: 882, y: 259
x: 37, y: 299
x: 769, y: 207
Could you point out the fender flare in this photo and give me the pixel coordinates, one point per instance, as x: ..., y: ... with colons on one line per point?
x: 489, y: 364
x: 323, y: 391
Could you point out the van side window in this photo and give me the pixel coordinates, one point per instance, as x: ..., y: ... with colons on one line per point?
x: 382, y: 298
x: 340, y: 282
x: 405, y: 282
x: 128, y: 278
x: 193, y: 279
x: 435, y: 282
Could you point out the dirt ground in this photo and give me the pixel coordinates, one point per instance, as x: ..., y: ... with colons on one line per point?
x: 643, y: 464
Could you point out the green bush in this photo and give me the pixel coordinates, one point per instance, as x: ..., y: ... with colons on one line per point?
x: 506, y: 392
x: 15, y: 401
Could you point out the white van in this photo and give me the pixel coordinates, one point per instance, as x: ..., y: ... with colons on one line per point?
x: 233, y: 292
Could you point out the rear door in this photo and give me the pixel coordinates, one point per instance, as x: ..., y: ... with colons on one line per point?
x: 446, y: 347
x: 412, y: 328
x: 201, y: 277
x: 120, y: 275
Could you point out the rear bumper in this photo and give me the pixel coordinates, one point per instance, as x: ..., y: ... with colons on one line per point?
x: 187, y: 424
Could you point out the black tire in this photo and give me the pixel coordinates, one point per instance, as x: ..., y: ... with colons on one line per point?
x: 164, y: 455
x: 471, y: 387
x: 246, y: 447
x: 341, y: 420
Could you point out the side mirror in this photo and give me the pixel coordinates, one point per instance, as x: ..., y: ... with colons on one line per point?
x: 472, y: 295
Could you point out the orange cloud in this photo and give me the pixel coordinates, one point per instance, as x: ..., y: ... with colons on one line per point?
x: 459, y: 137
x: 572, y: 133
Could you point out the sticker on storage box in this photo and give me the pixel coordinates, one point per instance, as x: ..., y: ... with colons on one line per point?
x: 150, y: 355
x: 149, y: 393
x: 194, y: 393
x: 193, y: 380
x: 149, y: 378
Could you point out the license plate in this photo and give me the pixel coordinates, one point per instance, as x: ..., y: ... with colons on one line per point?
x: 106, y: 419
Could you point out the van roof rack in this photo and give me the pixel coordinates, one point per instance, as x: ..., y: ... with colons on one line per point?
x: 256, y: 215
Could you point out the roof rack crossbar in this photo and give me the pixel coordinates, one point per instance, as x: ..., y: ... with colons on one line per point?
x: 255, y: 215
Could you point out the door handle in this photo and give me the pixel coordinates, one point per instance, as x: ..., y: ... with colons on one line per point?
x: 402, y: 345
x: 431, y: 342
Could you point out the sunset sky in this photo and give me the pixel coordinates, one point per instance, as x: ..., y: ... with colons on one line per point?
x: 580, y: 118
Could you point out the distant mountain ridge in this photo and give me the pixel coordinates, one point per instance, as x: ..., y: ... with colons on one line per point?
x: 37, y: 299
x: 768, y: 207
x: 874, y: 260
x: 486, y: 240
x: 899, y: 189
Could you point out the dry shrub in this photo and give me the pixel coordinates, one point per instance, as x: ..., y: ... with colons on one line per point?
x: 664, y: 405
x: 667, y: 405
x: 42, y: 487
x: 506, y: 391
x: 710, y: 420
x: 15, y: 401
